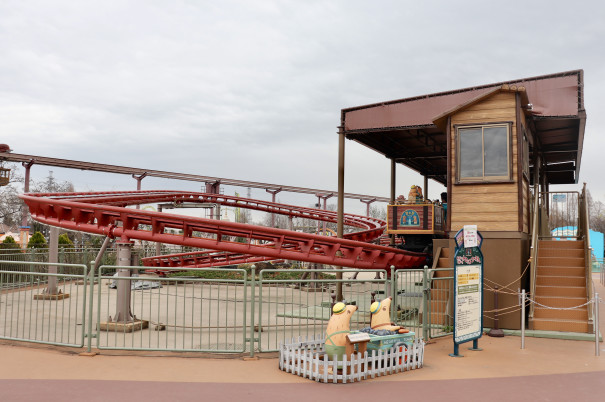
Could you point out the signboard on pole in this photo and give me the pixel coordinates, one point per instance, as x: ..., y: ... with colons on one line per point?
x: 468, y: 288
x: 559, y: 197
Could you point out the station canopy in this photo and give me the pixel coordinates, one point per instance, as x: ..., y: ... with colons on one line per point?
x: 404, y: 130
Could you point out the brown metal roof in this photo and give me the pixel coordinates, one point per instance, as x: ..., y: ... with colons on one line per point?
x: 404, y: 129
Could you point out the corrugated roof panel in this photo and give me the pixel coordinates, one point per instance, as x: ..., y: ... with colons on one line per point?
x: 553, y: 95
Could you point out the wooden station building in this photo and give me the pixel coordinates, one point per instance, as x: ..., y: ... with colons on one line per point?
x: 492, y: 147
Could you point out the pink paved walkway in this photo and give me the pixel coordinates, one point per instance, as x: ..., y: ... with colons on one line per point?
x: 546, y: 370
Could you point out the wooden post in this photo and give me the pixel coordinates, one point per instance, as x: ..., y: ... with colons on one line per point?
x: 426, y: 188
x: 393, y: 190
x: 341, y: 197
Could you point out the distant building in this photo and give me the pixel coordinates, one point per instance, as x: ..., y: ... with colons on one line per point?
x: 597, y: 239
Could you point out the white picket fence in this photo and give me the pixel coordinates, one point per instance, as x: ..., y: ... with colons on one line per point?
x: 305, y: 357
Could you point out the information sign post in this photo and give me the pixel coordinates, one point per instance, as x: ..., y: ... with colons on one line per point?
x: 468, y: 288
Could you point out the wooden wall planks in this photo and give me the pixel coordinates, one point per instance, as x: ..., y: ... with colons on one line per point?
x: 492, y: 206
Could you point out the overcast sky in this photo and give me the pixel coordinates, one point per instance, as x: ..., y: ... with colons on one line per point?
x: 253, y: 90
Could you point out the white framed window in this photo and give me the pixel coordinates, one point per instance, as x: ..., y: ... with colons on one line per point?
x: 483, y: 153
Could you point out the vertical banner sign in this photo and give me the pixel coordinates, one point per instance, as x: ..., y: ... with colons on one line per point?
x: 468, y: 288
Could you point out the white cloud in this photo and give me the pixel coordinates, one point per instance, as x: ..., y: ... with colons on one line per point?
x: 253, y: 90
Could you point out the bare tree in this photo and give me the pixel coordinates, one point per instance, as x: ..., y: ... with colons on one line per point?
x: 242, y: 215
x: 378, y: 212
x: 10, y: 203
x: 563, y: 211
x: 596, y: 210
x: 50, y: 185
x: 280, y: 221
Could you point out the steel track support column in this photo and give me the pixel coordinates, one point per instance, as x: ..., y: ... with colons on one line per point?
x: 321, y: 197
x: 341, y: 205
x: 158, y: 245
x: 124, y: 320
x: 139, y: 178
x: 368, y: 202
x: 325, y: 209
x: 393, y: 190
x: 273, y: 194
x: 123, y: 312
x: 215, y: 188
x: 53, y: 256
x: 24, y: 230
x: 52, y: 292
x: 318, y: 205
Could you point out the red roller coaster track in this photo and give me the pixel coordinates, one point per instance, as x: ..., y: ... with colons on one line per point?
x: 106, y: 213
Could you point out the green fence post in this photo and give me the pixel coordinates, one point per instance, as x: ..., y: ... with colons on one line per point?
x: 245, y: 316
x: 32, y: 253
x: 393, y: 291
x: 91, y: 279
x: 252, y: 303
x: 425, y: 303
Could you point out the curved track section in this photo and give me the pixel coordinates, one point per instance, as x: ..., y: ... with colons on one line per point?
x: 107, y: 213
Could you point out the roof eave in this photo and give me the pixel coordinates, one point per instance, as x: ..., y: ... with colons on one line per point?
x: 582, y: 116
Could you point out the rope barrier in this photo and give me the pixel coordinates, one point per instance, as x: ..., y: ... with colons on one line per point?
x: 516, y: 280
x: 500, y: 309
x: 504, y: 309
x: 561, y: 308
x: 514, y: 292
x: 509, y: 312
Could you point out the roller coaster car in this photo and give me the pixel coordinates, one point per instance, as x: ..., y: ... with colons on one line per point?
x: 417, y: 223
x: 4, y: 176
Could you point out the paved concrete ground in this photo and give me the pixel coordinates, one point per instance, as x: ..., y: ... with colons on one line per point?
x: 546, y: 370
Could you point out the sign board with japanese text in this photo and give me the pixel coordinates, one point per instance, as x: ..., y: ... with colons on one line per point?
x: 470, y: 236
x: 468, y: 286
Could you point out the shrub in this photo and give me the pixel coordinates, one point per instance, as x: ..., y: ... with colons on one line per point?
x: 9, y: 240
x: 65, y: 241
x: 37, y: 241
x: 9, y: 243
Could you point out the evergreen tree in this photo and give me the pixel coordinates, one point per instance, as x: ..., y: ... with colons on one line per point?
x: 9, y: 243
x: 37, y: 241
x: 65, y: 241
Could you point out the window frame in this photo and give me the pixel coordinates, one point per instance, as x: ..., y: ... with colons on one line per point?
x: 485, y: 179
x: 526, y: 154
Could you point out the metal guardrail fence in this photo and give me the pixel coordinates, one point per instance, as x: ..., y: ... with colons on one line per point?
x: 213, y: 310
x: 289, y: 308
x: 439, y: 303
x: 408, y: 299
x: 65, y: 255
x: 597, y: 264
x: 181, y: 313
x: 563, y: 210
x: 29, y: 314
